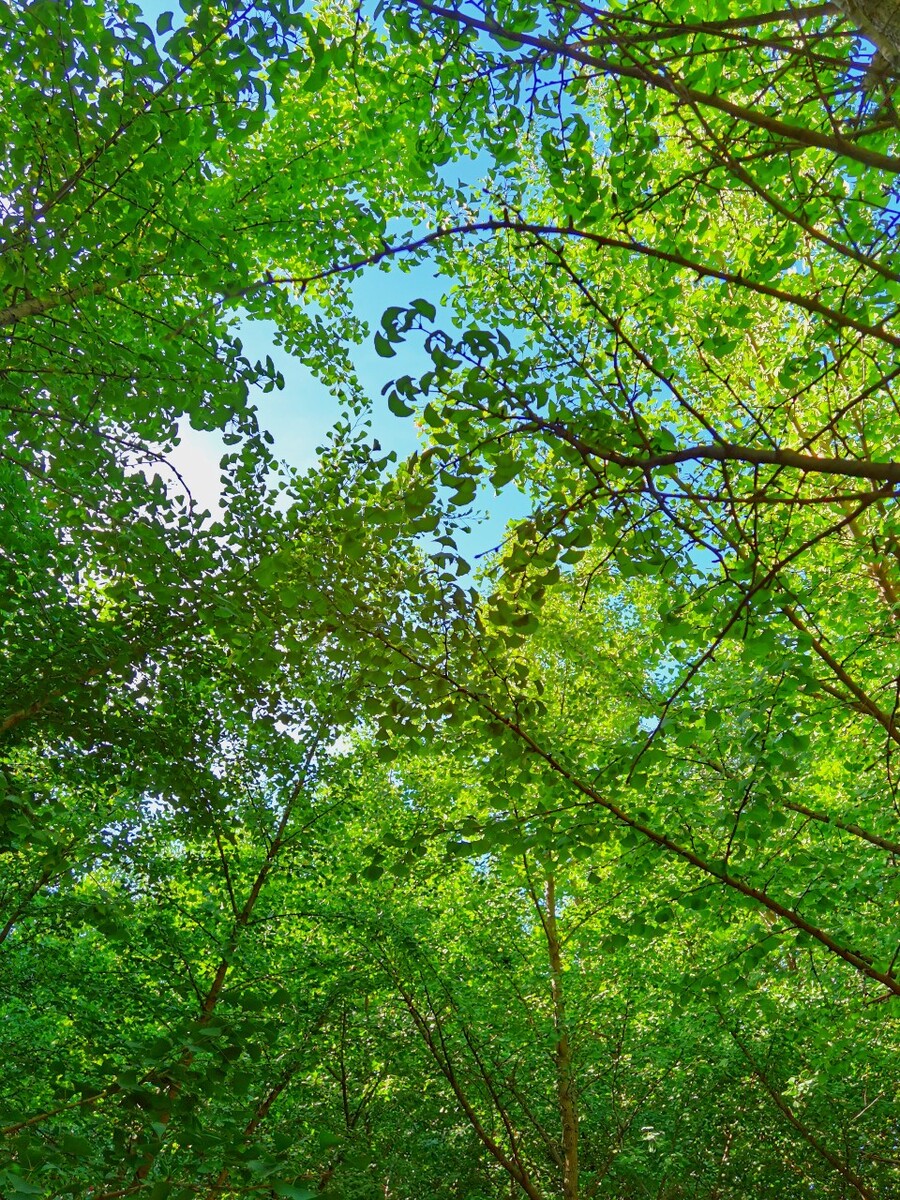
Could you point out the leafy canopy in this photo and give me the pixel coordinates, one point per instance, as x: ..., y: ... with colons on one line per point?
x: 327, y: 862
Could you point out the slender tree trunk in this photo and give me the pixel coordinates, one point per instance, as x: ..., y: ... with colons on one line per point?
x: 242, y: 919
x: 565, y: 1080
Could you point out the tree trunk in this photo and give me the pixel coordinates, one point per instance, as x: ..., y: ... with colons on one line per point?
x: 565, y: 1081
x: 879, y: 21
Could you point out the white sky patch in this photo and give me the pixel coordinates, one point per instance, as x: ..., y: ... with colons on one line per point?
x: 341, y: 746
x: 196, y: 459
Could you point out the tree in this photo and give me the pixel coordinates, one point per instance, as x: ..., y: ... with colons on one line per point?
x: 149, y: 196
x: 575, y: 879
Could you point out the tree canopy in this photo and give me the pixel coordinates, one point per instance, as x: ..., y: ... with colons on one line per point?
x: 332, y: 863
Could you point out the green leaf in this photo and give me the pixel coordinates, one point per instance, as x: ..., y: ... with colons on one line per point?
x: 425, y: 308
x: 21, y: 1186
x: 396, y: 405
x: 383, y: 347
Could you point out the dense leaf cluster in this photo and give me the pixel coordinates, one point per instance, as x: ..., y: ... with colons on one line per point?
x: 329, y: 866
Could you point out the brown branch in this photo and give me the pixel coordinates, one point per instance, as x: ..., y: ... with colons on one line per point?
x: 31, y: 710
x: 850, y: 468
x: 41, y: 304
x: 218, y: 982
x: 796, y: 134
x: 656, y: 31
x: 514, y: 1169
x: 827, y: 819
x: 646, y: 832
x: 866, y: 703
x: 497, y: 225
x: 39, y: 1118
x: 565, y: 1076
x: 25, y: 900
x: 785, y: 1109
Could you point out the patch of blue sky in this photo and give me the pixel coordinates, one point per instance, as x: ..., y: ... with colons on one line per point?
x: 299, y: 417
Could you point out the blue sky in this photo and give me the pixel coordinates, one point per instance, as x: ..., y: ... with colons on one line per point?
x: 299, y: 417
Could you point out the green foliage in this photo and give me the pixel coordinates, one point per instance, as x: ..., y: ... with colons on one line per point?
x: 326, y: 867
